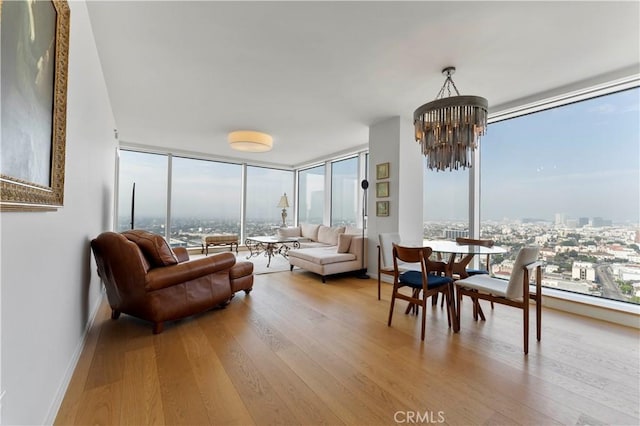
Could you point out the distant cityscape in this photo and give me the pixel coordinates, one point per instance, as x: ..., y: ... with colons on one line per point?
x: 591, y: 256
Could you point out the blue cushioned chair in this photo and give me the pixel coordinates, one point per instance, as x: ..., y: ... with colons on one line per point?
x: 428, y: 281
x: 471, y: 271
x: 476, y: 242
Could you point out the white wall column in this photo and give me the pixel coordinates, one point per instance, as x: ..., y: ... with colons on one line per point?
x: 391, y: 141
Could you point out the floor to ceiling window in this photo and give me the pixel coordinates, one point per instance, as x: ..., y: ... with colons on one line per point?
x: 149, y: 173
x: 311, y: 195
x: 206, y: 198
x: 344, y: 192
x: 265, y: 188
x: 445, y: 204
x: 568, y: 180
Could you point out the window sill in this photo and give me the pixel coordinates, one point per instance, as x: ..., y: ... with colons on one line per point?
x: 614, y: 311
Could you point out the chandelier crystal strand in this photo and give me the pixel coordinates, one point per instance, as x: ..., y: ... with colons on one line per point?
x: 448, y: 128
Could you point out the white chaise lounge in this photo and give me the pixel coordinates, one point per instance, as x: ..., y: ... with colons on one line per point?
x: 327, y: 250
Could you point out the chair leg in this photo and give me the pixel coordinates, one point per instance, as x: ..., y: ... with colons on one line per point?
x: 480, y: 313
x: 477, y: 311
x: 412, y: 307
x: 447, y: 295
x: 475, y: 308
x: 458, y: 306
x: 538, y: 317
x: 452, y: 309
x: 424, y: 316
x: 525, y: 320
x: 378, y: 285
x: 393, y: 301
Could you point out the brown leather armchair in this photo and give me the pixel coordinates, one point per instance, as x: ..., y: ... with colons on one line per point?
x: 145, y: 278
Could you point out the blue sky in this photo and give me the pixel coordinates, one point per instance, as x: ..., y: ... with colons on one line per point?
x: 582, y: 159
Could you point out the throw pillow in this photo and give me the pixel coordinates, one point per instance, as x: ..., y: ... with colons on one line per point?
x: 309, y: 231
x: 154, y: 246
x: 353, y: 230
x: 288, y: 232
x: 344, y: 242
x: 329, y: 235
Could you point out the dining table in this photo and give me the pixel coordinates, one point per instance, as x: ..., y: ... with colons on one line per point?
x: 460, y: 255
x: 457, y: 257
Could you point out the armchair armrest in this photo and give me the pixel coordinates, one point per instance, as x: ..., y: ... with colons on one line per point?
x: 181, y: 254
x: 168, y: 276
x: 356, y: 247
x: 533, y: 266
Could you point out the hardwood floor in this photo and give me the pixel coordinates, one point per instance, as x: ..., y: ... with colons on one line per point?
x: 297, y: 351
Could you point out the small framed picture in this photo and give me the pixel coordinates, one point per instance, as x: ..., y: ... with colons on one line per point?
x: 382, y: 208
x: 382, y: 189
x: 382, y: 171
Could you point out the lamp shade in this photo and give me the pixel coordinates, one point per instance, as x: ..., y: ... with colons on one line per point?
x: 250, y: 141
x: 284, y: 202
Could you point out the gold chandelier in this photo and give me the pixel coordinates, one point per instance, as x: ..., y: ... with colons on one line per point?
x: 448, y: 128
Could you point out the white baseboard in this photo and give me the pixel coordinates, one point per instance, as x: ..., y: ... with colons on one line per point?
x: 64, y: 385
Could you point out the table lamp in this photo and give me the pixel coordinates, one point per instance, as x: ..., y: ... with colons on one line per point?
x: 283, y: 204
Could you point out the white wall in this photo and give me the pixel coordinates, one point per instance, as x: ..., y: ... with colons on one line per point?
x: 391, y: 140
x: 49, y: 284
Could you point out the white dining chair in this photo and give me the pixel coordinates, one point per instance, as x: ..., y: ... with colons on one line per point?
x: 516, y: 292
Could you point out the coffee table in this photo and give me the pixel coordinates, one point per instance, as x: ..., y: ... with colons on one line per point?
x: 270, y: 246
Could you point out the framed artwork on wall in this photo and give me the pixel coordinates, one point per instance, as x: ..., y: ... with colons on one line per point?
x: 382, y: 189
x: 35, y: 52
x: 382, y: 171
x: 382, y: 208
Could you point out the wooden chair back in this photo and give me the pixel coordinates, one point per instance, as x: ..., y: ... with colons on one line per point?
x: 477, y: 242
x: 385, y: 254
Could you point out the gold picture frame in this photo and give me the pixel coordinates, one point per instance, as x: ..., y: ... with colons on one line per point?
x: 382, y: 189
x: 382, y: 208
x: 382, y: 171
x: 33, y: 179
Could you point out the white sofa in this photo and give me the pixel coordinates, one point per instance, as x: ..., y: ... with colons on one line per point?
x: 326, y: 250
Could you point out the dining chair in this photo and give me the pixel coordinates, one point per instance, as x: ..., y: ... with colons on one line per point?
x: 516, y: 292
x: 428, y: 281
x: 472, y: 271
x: 477, y: 242
x: 385, y: 254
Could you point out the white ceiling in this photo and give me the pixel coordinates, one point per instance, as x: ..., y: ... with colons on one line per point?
x: 316, y: 75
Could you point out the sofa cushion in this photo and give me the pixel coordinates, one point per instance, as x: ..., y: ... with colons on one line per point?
x: 289, y: 232
x: 154, y: 246
x: 344, y: 242
x: 353, y: 230
x: 311, y: 244
x: 329, y: 235
x: 309, y: 231
x: 322, y: 255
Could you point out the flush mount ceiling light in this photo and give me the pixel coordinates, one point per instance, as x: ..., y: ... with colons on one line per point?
x: 250, y: 141
x: 449, y: 128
